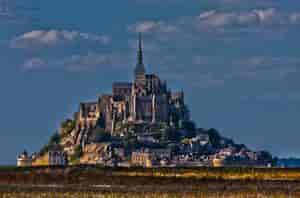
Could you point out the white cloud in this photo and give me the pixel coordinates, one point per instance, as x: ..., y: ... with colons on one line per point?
x: 215, y: 19
x: 50, y: 38
x: 152, y: 26
x: 79, y: 62
x: 253, y: 19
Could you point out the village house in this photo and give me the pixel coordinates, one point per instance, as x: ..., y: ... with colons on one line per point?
x: 53, y: 157
x: 150, y: 157
x: 24, y: 160
x: 96, y: 153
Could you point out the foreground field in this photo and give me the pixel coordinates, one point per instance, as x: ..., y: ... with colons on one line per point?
x: 94, y: 174
x: 204, y: 189
x: 211, y: 190
x: 93, y: 181
x: 143, y: 195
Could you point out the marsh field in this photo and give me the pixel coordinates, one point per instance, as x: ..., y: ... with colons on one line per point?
x: 92, y: 181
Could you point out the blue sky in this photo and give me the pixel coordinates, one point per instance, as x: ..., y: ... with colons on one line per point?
x: 237, y: 60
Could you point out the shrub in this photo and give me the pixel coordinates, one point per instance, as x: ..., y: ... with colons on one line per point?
x: 54, y: 139
x: 67, y: 127
x: 100, y: 135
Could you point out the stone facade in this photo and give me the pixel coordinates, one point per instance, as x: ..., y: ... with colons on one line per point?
x: 95, y: 153
x: 142, y: 158
x: 24, y: 160
x: 88, y: 115
x: 145, y: 100
x: 149, y: 158
x: 57, y: 158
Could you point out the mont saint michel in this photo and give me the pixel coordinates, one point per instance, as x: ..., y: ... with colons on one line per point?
x: 140, y: 123
x: 150, y: 99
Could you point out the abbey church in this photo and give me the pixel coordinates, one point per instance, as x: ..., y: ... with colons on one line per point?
x: 145, y: 100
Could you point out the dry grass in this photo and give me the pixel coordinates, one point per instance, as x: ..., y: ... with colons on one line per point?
x: 146, y: 195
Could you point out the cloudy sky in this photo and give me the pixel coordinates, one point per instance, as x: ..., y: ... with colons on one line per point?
x: 237, y: 60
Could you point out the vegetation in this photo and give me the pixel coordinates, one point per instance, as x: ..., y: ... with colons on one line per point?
x: 99, y: 182
x: 189, y: 126
x: 53, y: 142
x: 130, y: 142
x: 105, y: 194
x: 204, y: 173
x: 75, y: 158
x: 170, y: 134
x: 67, y: 127
x: 100, y: 135
x: 214, y: 137
x: 94, y: 181
x: 54, y: 139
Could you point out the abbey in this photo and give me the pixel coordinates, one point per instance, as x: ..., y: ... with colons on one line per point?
x: 145, y: 100
x: 140, y: 123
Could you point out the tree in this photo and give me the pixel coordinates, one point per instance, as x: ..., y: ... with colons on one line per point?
x: 185, y: 141
x: 75, y: 158
x: 264, y: 155
x: 100, y: 135
x: 54, y: 139
x: 67, y: 126
x: 170, y: 134
x: 130, y: 142
x: 214, y: 137
x: 189, y: 126
x: 77, y: 152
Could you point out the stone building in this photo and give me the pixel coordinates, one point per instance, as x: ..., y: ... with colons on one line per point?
x: 145, y: 100
x: 24, y: 160
x: 57, y: 158
x: 54, y: 157
x: 88, y: 115
x: 142, y: 158
x: 149, y: 158
x: 95, y: 153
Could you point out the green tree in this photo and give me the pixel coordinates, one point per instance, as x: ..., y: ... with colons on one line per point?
x: 75, y: 158
x: 100, y: 135
x: 130, y: 141
x: 54, y: 139
x: 54, y: 142
x: 77, y: 152
x: 214, y: 137
x: 189, y: 126
x: 170, y: 134
x: 67, y: 127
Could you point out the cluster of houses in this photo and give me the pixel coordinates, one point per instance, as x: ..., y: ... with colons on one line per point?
x: 53, y: 157
x: 193, y: 152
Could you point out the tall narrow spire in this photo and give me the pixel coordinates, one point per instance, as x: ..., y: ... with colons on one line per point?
x: 140, y: 51
x: 140, y: 69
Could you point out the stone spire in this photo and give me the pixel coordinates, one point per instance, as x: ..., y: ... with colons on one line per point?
x: 140, y: 51
x: 140, y: 69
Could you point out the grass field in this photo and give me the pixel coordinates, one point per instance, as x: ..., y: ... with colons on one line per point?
x: 145, y: 195
x: 94, y: 181
x: 200, y: 193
